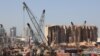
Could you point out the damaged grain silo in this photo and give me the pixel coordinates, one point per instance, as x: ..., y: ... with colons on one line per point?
x: 71, y: 34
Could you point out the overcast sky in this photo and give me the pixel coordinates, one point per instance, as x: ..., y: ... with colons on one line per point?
x: 57, y: 12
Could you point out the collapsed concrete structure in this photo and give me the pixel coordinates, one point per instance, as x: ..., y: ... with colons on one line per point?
x: 70, y: 34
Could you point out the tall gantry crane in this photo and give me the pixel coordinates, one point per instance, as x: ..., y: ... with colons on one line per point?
x: 35, y: 23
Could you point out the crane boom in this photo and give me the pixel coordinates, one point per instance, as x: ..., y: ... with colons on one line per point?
x: 33, y: 35
x: 41, y: 21
x: 35, y: 23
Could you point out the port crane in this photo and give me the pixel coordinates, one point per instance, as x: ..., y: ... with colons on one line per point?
x: 35, y: 23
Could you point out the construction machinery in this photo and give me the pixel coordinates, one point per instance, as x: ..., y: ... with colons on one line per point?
x: 41, y: 21
x: 42, y: 47
x: 35, y: 23
x: 34, y: 38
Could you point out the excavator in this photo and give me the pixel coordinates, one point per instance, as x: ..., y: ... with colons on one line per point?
x: 41, y: 45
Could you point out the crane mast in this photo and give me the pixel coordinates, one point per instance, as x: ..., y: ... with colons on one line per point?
x: 35, y: 23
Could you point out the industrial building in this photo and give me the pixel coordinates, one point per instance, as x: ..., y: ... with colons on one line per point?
x: 13, y: 32
x: 2, y: 30
x: 3, y: 39
x: 68, y: 34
